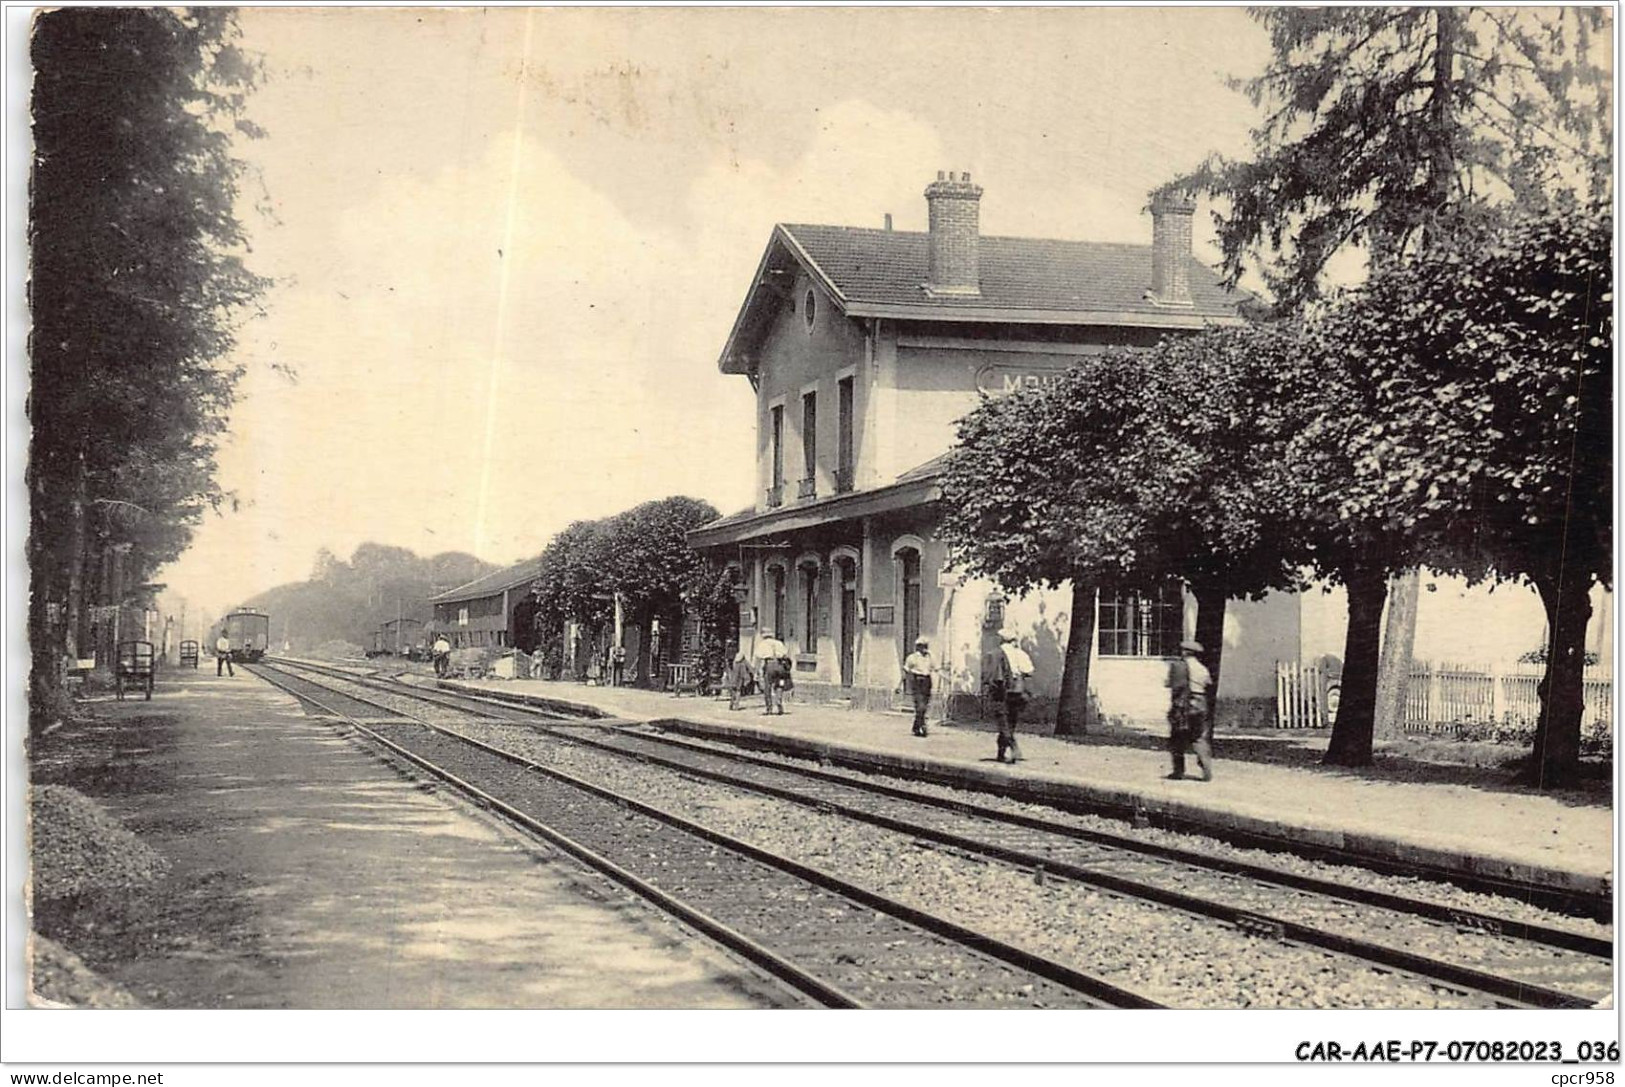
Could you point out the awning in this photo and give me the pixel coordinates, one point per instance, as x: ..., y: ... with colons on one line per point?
x: 803, y: 515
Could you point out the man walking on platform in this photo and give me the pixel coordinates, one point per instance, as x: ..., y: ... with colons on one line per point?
x: 775, y: 670
x: 222, y: 655
x: 917, y: 681
x: 1190, y: 722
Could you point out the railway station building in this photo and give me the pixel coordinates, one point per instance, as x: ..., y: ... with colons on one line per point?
x: 864, y: 347
x: 495, y: 610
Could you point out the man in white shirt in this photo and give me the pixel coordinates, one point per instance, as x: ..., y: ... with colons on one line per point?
x: 222, y: 655
x: 917, y: 669
x: 1190, y: 720
x: 775, y: 670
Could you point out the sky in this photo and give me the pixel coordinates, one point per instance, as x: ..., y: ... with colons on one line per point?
x: 508, y: 244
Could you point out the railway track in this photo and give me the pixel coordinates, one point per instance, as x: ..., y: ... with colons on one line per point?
x: 837, y: 944
x: 1515, y: 963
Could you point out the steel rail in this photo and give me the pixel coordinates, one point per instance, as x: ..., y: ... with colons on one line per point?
x: 1496, y: 988
x: 777, y: 966
x: 1479, y: 981
x: 1564, y: 939
x: 1263, y: 873
x: 1495, y: 925
x: 1049, y: 969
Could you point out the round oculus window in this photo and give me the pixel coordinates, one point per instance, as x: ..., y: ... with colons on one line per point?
x: 809, y: 307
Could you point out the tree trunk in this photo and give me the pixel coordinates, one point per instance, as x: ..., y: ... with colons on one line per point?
x: 1555, y: 761
x: 1210, y: 604
x: 1072, y: 715
x: 1441, y: 108
x: 1394, y: 662
x: 1352, y: 732
x: 74, y: 619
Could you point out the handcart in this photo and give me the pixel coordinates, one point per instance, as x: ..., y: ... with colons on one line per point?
x: 135, y: 668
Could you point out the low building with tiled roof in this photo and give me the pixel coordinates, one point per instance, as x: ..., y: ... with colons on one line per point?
x: 494, y: 609
x: 865, y: 347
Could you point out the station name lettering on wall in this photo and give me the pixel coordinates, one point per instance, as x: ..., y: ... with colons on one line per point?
x: 1002, y: 380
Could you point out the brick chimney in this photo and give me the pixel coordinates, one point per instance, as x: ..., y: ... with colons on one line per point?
x: 1171, y: 214
x: 954, y: 208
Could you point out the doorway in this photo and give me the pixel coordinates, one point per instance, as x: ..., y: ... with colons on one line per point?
x: 846, y: 572
x: 910, y: 560
x: 525, y: 635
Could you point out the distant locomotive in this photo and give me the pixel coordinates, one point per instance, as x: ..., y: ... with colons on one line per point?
x: 250, y: 632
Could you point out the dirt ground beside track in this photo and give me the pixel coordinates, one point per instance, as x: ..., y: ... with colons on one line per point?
x: 306, y: 873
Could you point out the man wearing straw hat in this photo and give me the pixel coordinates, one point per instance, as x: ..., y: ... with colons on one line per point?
x: 1190, y: 722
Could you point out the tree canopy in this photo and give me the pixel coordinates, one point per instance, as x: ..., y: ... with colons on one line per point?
x: 1136, y: 467
x: 1489, y: 440
x: 349, y: 600
x: 1383, y: 122
x: 137, y: 283
x: 641, y: 555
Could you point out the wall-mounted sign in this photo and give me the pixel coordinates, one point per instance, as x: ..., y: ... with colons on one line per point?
x: 1002, y: 379
x: 881, y: 614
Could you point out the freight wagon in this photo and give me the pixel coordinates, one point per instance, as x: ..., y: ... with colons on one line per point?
x: 250, y: 632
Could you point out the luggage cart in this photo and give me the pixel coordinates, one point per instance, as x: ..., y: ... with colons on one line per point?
x: 136, y: 668
x: 188, y: 653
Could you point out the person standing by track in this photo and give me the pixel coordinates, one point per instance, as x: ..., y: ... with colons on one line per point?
x: 917, y: 668
x: 222, y: 654
x: 442, y: 656
x: 738, y: 679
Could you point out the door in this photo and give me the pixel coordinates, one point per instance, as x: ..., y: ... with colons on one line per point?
x: 847, y: 572
x: 911, y: 598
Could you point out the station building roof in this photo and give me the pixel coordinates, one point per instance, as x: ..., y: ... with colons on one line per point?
x: 1048, y: 281
x: 492, y: 584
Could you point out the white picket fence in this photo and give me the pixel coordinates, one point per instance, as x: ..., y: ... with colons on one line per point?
x: 1300, y: 695
x: 1444, y: 696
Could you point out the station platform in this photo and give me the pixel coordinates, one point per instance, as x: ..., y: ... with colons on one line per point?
x: 1455, y: 820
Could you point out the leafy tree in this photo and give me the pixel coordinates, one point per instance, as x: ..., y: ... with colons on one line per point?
x: 649, y: 560
x: 571, y: 584
x: 640, y: 555
x: 1133, y: 468
x: 1493, y: 364
x: 349, y: 601
x: 1222, y: 407
x: 1035, y: 494
x: 1345, y: 538
x: 1386, y: 130
x: 136, y: 282
x: 1383, y: 123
